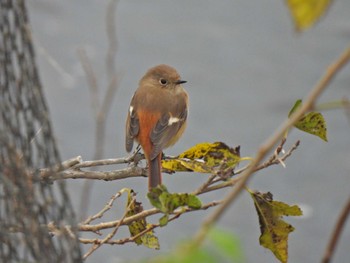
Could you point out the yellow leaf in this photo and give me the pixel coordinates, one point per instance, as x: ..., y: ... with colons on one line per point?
x: 174, y: 165
x: 312, y: 122
x: 198, y: 166
x: 205, y: 158
x: 148, y: 239
x: 305, y: 13
x: 274, y: 231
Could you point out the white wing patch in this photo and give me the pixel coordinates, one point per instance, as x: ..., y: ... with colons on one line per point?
x: 173, y: 120
x: 131, y: 109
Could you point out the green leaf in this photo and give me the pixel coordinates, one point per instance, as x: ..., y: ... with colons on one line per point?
x: 168, y: 202
x: 227, y: 243
x: 274, y: 231
x: 153, y: 196
x: 193, y: 201
x: 312, y: 122
x: 296, y: 106
x: 163, y: 221
x: 186, y: 253
x: 150, y: 240
x: 221, y: 247
x: 196, y: 255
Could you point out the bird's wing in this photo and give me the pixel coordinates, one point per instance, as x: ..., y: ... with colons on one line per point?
x: 132, y: 129
x: 167, y: 131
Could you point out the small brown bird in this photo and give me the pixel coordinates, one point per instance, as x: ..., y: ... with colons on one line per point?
x: 157, y: 116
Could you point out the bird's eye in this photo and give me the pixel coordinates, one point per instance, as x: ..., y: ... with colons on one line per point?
x: 163, y: 81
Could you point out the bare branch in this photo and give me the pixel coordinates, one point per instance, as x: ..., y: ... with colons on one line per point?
x: 112, y: 234
x: 213, y: 182
x: 101, y: 110
x: 143, y: 214
x: 346, y: 104
x: 330, y: 249
x: 112, y: 38
x: 228, y: 183
x: 91, y: 79
x: 128, y: 220
x: 111, y: 224
x: 71, y: 169
x: 123, y: 160
x: 97, y: 175
x: 203, y: 187
x: 107, y: 207
x: 277, y: 160
x: 70, y: 163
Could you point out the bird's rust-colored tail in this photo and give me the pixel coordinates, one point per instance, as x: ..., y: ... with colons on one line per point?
x: 155, y: 172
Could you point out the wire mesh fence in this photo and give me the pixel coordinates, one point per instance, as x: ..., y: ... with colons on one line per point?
x: 30, y: 208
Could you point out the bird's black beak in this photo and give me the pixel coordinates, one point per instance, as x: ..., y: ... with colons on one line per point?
x: 180, y: 82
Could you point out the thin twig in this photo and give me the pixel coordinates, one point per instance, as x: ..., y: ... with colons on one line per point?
x: 102, y: 110
x: 99, y: 141
x: 126, y: 221
x: 330, y: 249
x: 71, y: 162
x: 112, y: 234
x: 277, y: 160
x: 228, y: 183
x: 107, y: 207
x: 112, y: 38
x: 104, y: 162
x: 98, y: 175
x: 212, y: 184
x: 111, y: 224
x: 141, y: 215
x: 91, y: 79
x: 270, y: 142
x: 70, y: 169
x: 64, y: 74
x: 346, y: 104
x: 202, y: 188
x: 45, y: 173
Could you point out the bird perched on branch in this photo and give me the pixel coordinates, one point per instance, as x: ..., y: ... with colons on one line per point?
x: 157, y: 116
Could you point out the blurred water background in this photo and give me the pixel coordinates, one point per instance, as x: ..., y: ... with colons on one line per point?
x: 245, y: 67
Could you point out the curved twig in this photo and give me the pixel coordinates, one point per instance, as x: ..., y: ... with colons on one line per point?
x: 330, y: 249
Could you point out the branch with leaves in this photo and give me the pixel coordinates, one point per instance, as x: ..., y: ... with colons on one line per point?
x: 299, y: 118
x: 216, y: 159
